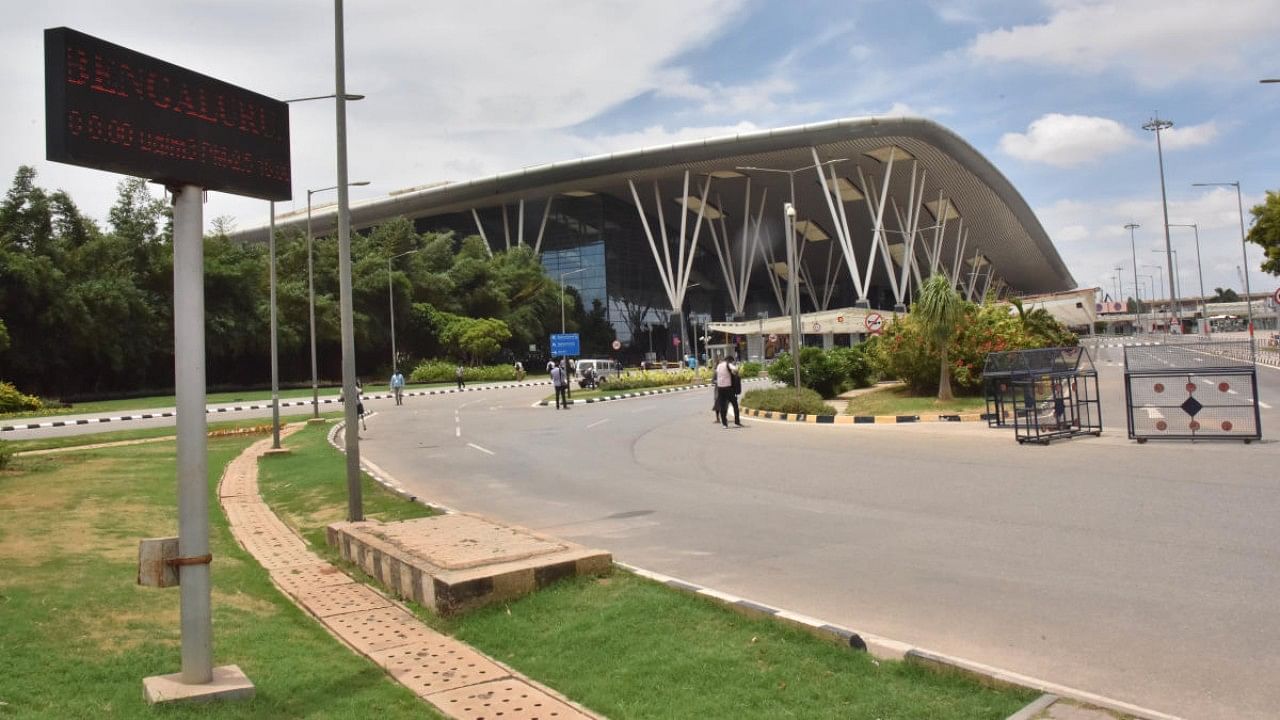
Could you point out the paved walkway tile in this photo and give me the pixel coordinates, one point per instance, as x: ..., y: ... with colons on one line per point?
x: 459, y: 681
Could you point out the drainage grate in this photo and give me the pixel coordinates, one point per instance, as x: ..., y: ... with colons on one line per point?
x: 502, y: 699
x: 432, y: 666
x: 375, y: 631
x: 325, y: 602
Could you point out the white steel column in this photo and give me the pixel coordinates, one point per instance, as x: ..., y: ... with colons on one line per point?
x: 480, y: 227
x: 875, y: 205
x: 675, y: 279
x: 841, y: 222
x: 506, y: 227
x: 546, y: 212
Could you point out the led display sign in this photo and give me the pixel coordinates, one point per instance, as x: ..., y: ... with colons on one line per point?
x: 110, y: 108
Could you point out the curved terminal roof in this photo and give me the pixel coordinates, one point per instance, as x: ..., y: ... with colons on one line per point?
x: 1001, y: 225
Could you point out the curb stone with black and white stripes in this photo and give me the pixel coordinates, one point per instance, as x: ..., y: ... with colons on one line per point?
x: 262, y: 406
x: 864, y: 419
x: 639, y: 393
x: 878, y: 647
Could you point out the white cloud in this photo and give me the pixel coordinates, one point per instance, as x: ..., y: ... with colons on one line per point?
x: 1155, y: 42
x: 1093, y: 241
x: 1067, y: 140
x: 1177, y: 138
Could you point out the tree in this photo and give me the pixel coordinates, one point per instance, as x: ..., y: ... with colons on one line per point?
x: 1224, y: 295
x: 938, y: 308
x: 1266, y: 230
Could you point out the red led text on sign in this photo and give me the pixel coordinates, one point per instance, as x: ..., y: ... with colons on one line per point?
x: 111, y: 108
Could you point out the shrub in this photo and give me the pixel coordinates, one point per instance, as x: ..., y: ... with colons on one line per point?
x: 788, y: 400
x: 11, y: 400
x: 828, y: 372
x: 750, y: 369
x: 431, y: 371
x: 6, y: 454
x: 656, y: 378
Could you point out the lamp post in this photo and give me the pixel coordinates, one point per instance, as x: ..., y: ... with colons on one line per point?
x: 564, y: 275
x: 1156, y: 125
x: 1159, y: 276
x: 311, y: 298
x: 391, y: 301
x: 1204, y: 314
x: 684, y: 334
x: 1175, y: 289
x: 793, y: 288
x: 275, y: 359
x: 1244, y: 249
x: 1133, y: 249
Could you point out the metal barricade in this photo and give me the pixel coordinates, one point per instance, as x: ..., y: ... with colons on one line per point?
x: 1044, y: 393
x: 1192, y: 391
x: 997, y: 386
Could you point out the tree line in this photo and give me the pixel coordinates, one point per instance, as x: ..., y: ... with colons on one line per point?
x: 86, y: 309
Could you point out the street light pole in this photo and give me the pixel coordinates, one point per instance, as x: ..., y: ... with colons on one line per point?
x: 355, y: 502
x: 311, y: 295
x: 391, y: 301
x: 1204, y: 312
x: 564, y: 275
x: 1133, y: 249
x: 1175, y: 290
x: 1156, y: 125
x: 275, y: 359
x: 793, y: 289
x: 1244, y: 249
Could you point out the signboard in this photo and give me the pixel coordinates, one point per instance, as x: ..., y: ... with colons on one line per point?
x: 839, y: 318
x: 1275, y: 296
x: 874, y: 322
x: 817, y: 327
x: 110, y: 108
x: 617, y: 344
x: 565, y: 344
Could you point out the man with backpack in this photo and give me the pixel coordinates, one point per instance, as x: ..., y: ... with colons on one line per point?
x: 728, y: 387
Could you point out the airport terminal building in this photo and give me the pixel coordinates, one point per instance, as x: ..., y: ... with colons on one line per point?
x: 699, y: 227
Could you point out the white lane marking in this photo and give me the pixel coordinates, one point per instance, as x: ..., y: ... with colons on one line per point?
x: 1263, y: 405
x: 1154, y: 413
x: 598, y: 422
x: 457, y: 432
x: 477, y: 447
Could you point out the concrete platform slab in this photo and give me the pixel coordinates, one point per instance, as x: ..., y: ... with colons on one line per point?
x: 296, y: 579
x: 438, y: 665
x: 229, y: 683
x: 451, y: 563
x: 328, y: 601
x: 380, y: 629
x: 508, y: 699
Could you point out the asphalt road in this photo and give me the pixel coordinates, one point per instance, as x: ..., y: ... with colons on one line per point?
x: 1148, y: 573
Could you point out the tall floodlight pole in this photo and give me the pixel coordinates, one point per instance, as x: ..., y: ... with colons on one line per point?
x: 1244, y: 249
x: 275, y: 359
x: 1133, y: 249
x: 793, y: 288
x: 1156, y: 125
x: 1159, y: 276
x: 1204, y: 313
x: 355, y: 503
x: 311, y: 293
x: 391, y: 301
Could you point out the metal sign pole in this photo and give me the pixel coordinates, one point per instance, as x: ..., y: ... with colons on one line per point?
x: 193, y: 476
x: 275, y: 361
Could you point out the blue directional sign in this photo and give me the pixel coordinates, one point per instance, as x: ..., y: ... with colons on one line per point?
x: 565, y: 344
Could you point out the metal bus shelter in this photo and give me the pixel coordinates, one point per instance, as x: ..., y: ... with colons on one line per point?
x: 1192, y: 391
x: 1054, y: 393
x: 997, y: 386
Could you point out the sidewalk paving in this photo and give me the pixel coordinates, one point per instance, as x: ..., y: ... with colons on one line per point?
x: 453, y: 677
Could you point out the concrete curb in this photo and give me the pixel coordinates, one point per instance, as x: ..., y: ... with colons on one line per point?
x: 863, y: 419
x: 638, y: 393
x: 886, y: 649
x: 264, y: 406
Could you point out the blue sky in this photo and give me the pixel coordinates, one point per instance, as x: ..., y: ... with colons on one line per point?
x: 1054, y: 93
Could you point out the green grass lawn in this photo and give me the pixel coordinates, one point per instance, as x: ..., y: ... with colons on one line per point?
x: 897, y: 400
x: 63, y: 441
x: 77, y: 635
x: 630, y: 648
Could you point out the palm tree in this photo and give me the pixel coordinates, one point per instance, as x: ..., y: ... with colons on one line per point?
x: 938, y: 309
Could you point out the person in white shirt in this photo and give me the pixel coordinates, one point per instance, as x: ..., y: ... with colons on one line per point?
x: 728, y: 385
x: 560, y: 382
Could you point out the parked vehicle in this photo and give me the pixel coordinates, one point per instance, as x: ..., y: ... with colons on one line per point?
x: 601, y: 371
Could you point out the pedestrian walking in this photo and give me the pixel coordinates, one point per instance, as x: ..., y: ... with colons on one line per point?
x: 519, y: 371
x: 728, y: 385
x: 397, y: 387
x: 566, y: 370
x: 457, y: 375
x: 559, y: 383
x: 360, y: 404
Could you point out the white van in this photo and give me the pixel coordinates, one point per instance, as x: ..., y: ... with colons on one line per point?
x: 604, y: 369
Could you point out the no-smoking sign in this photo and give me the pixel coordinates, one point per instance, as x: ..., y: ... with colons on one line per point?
x: 874, y: 322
